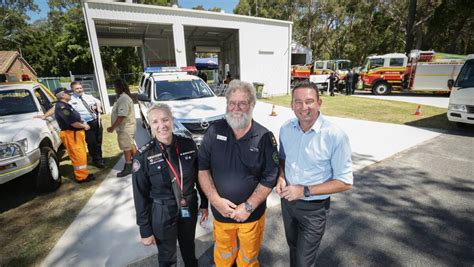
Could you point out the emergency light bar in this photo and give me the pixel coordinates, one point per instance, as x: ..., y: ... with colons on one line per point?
x: 170, y: 69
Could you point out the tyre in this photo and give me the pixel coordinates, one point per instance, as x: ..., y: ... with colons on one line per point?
x: 47, y: 173
x: 381, y: 88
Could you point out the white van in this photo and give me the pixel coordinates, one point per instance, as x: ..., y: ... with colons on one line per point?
x: 461, y: 100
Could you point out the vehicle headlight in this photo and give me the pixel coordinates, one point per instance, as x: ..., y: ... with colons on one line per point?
x: 8, y: 150
x: 181, y: 130
x: 23, y: 144
x: 457, y: 107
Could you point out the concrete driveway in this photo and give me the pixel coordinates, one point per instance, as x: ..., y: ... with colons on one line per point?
x: 435, y: 100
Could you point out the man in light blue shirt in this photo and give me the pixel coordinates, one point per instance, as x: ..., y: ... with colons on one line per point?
x: 315, y: 161
x: 89, y: 108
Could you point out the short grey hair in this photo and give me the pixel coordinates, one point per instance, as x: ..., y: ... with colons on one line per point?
x: 238, y: 85
x: 162, y: 107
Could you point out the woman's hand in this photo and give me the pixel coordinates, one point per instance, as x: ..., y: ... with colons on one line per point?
x: 147, y: 241
x: 204, y: 215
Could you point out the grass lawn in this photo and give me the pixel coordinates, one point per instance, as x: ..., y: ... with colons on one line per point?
x: 31, y: 224
x: 377, y: 110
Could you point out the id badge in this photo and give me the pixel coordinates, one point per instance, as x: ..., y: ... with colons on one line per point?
x: 184, y: 212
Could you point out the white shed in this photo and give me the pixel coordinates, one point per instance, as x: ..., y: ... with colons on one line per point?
x: 250, y: 48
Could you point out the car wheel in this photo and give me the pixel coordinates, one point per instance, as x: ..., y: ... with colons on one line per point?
x: 48, y: 177
x: 381, y: 88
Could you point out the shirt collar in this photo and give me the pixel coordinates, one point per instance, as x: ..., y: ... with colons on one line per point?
x: 316, y: 126
x: 250, y: 134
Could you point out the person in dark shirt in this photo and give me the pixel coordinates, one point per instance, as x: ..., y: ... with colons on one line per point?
x: 72, y: 134
x: 332, y: 80
x: 164, y: 179
x: 238, y: 165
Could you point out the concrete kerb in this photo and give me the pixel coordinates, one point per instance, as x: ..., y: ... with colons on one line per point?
x: 105, y: 233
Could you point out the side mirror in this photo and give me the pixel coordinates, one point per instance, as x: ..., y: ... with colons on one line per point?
x: 450, y: 83
x: 143, y: 97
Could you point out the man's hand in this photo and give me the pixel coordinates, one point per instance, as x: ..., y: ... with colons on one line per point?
x: 204, y: 215
x: 240, y: 214
x: 87, y: 127
x: 110, y: 129
x: 39, y: 117
x: 281, y: 184
x: 148, y: 241
x: 224, y: 206
x: 292, y: 192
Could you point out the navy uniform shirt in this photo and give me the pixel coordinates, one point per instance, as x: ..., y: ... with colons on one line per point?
x: 238, y: 166
x: 66, y: 115
x: 151, y: 177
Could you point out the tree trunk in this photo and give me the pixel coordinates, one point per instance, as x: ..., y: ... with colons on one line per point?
x: 455, y: 35
x: 410, y: 22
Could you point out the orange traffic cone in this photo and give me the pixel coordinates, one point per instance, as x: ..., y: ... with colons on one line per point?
x: 273, y: 111
x: 418, y: 110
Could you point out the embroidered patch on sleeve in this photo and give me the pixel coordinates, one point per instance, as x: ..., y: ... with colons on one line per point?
x: 275, y: 157
x: 136, y: 165
x: 274, y: 142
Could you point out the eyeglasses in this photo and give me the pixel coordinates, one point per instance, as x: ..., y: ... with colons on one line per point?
x: 241, y: 105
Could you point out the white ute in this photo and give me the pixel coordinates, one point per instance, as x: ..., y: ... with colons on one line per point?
x: 28, y: 145
x: 461, y: 99
x: 195, y: 106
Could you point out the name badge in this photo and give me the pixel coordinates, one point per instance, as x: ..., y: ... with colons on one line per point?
x: 184, y: 212
x: 221, y: 137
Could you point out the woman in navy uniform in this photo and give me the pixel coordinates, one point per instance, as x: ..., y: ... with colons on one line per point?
x: 164, y: 190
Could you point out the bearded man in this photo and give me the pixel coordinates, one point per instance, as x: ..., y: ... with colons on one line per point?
x: 238, y: 166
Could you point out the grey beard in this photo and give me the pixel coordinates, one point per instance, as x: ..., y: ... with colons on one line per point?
x: 238, y: 123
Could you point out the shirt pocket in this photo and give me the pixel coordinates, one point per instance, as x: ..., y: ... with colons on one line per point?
x: 317, y: 161
x: 156, y: 171
x: 252, y: 161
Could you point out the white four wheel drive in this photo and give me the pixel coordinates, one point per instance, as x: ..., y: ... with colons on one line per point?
x: 461, y: 99
x: 28, y: 145
x: 194, y: 105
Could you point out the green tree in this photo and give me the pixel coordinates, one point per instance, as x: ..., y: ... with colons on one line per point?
x: 13, y: 22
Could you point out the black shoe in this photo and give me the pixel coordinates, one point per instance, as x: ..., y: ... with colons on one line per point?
x: 99, y: 163
x: 89, y: 178
x: 127, y: 169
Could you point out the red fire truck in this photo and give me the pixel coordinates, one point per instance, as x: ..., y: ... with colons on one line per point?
x: 424, y: 71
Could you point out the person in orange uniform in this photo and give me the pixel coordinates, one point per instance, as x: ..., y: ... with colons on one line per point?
x: 72, y: 134
x: 238, y: 167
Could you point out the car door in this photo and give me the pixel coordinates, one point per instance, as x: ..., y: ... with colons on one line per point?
x: 46, y: 102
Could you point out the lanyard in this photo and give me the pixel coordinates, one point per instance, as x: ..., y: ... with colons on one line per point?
x: 179, y: 179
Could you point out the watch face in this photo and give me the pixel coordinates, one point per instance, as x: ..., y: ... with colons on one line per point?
x: 248, y: 207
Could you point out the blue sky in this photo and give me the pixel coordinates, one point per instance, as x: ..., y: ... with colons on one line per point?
x: 227, y: 5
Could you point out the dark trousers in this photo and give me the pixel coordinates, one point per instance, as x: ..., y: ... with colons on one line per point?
x: 331, y: 88
x: 94, y: 140
x: 304, y: 223
x: 168, y: 227
x: 349, y: 88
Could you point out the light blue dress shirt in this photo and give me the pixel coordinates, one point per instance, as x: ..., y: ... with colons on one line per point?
x: 321, y: 154
x: 77, y: 104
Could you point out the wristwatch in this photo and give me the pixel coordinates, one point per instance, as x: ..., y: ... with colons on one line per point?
x: 307, y: 193
x: 248, y: 207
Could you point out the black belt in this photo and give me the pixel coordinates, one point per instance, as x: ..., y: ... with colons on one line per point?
x: 315, y: 200
x: 94, y: 120
x: 164, y: 201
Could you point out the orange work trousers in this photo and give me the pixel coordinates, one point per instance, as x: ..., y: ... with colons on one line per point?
x: 75, y: 143
x: 238, y: 240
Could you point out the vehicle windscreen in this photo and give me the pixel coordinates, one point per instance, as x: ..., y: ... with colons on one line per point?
x: 466, y: 76
x: 344, y: 65
x: 181, y: 89
x: 13, y: 102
